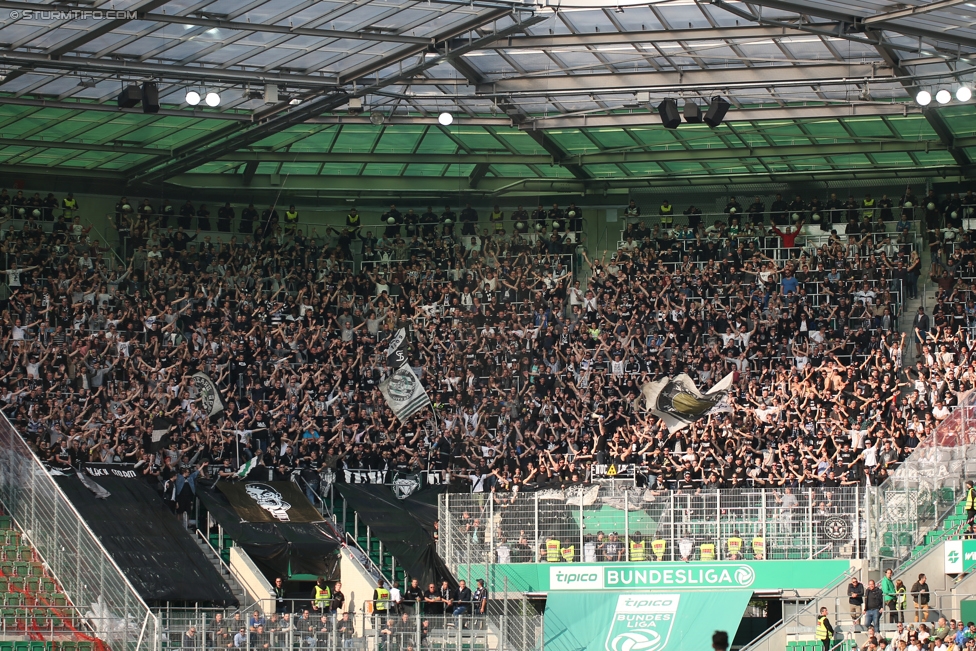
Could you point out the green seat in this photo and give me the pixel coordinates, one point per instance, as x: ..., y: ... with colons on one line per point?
x: 60, y: 599
x: 16, y: 583
x: 33, y: 584
x: 22, y: 645
x: 9, y: 619
x: 85, y: 646
x: 40, y: 619
x: 13, y: 599
x: 6, y: 522
x: 48, y: 585
x: 6, y: 646
x: 67, y: 645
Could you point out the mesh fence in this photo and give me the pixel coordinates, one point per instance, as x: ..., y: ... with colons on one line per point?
x: 94, y: 585
x: 924, y: 487
x: 595, y: 524
x: 402, y: 628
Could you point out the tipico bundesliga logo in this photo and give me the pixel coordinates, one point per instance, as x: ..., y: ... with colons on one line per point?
x: 642, y: 622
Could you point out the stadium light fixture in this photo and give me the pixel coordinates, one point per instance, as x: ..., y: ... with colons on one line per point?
x: 943, y: 96
x: 445, y: 119
x: 192, y: 97
x: 212, y: 99
x: 923, y: 98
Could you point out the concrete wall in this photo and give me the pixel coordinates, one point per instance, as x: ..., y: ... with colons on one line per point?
x: 252, y: 579
x: 357, y: 584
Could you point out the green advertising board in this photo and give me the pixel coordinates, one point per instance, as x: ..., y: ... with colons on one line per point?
x: 598, y: 621
x: 719, y: 575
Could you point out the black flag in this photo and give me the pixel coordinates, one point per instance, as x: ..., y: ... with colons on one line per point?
x: 396, y: 351
x: 160, y: 433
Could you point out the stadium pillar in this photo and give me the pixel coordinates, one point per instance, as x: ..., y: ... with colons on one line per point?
x: 581, y: 527
x: 491, y: 530
x: 536, y: 518
x: 627, y: 525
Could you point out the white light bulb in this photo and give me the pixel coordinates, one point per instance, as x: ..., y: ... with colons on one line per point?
x: 212, y: 99
x: 445, y: 119
x: 192, y: 97
x: 924, y: 98
x: 943, y: 96
x: 964, y: 94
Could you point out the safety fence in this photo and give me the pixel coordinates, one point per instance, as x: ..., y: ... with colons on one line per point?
x: 428, y: 625
x: 91, y: 580
x: 925, y: 487
x: 597, y: 524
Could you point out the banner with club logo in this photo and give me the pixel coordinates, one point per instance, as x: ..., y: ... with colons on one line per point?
x: 678, y: 402
x: 596, y: 621
x: 210, y: 399
x: 404, y: 393
x: 396, y: 351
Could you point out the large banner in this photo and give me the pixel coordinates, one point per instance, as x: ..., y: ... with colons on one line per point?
x: 594, y: 621
x: 273, y: 501
x: 404, y: 393
x: 209, y: 394
x: 662, y: 577
x: 678, y: 402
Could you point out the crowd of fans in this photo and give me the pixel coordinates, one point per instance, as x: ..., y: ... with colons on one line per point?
x: 533, y: 350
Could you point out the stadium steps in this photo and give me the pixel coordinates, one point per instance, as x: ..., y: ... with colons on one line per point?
x: 208, y: 548
x: 386, y: 563
x: 32, y: 604
x: 951, y: 526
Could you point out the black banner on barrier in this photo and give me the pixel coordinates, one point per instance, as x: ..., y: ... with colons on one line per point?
x: 273, y: 501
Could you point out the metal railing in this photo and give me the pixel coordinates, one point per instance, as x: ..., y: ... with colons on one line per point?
x: 594, y: 524
x: 90, y: 577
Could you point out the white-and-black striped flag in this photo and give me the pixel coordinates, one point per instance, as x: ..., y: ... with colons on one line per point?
x: 404, y: 393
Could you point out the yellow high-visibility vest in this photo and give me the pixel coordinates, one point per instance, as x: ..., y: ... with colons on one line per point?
x: 971, y: 499
x: 636, y: 551
x: 552, y: 551
x: 658, y: 547
x: 735, y: 545
x: 821, y: 633
x: 759, y: 547
x: 569, y: 553
x: 291, y: 217
x: 382, y: 599
x: 323, y: 596
x: 708, y: 552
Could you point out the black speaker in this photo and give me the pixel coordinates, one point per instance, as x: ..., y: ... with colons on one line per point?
x: 150, y: 97
x: 130, y: 97
x: 670, y: 117
x: 692, y: 113
x: 716, y: 112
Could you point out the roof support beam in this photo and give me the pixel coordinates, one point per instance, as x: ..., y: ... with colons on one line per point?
x: 931, y: 114
x: 911, y: 11
x: 83, y: 146
x: 556, y: 41
x: 635, y: 155
x: 822, y: 11
x: 477, y: 174
x: 692, y: 80
x: 775, y: 112
x: 171, y: 71
x: 228, y: 140
x: 98, y: 30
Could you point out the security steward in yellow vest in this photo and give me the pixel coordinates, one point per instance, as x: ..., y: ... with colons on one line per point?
x: 381, y: 598
x: 659, y: 547
x: 291, y: 218
x: 759, y: 548
x: 352, y: 219
x: 568, y: 553
x: 970, y: 503
x: 552, y: 550
x: 322, y: 596
x: 69, y: 204
x: 867, y: 207
x: 824, y: 632
x: 666, y: 212
x: 637, y: 548
x: 734, y: 544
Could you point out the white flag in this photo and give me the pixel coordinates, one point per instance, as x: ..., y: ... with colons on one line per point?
x: 404, y: 393
x: 678, y: 402
x: 209, y: 394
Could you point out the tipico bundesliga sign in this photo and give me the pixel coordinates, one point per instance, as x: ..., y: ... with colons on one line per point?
x: 665, y: 576
x: 624, y: 577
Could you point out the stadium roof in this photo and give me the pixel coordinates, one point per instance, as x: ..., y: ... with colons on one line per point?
x: 557, y: 96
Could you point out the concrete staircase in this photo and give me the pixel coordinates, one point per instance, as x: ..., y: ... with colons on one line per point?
x: 242, y: 599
